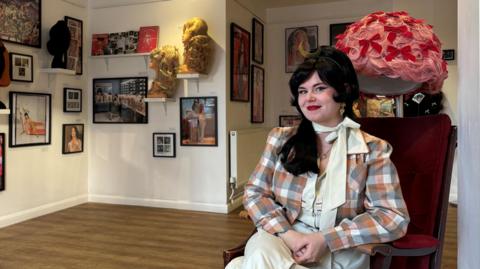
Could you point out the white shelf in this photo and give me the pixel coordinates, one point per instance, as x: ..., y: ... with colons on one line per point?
x: 57, y: 71
x: 187, y: 77
x: 4, y: 111
x: 106, y: 58
x: 161, y: 100
x: 120, y: 55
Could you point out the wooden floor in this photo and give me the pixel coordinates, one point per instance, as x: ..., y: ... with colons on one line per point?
x: 103, y: 236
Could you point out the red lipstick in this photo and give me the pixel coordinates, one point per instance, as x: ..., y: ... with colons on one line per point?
x: 311, y: 108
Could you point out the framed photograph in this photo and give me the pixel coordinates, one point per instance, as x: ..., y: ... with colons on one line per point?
x: 257, y: 41
x: 72, y: 100
x: 147, y: 38
x: 75, y: 50
x: 21, y: 67
x: 198, y: 121
x: 30, y: 119
x: 448, y: 55
x: 294, y: 37
x: 336, y: 29
x: 72, y: 137
x: 239, y: 63
x: 20, y: 22
x: 289, y: 120
x: 258, y: 94
x: 2, y: 161
x: 164, y: 145
x: 120, y: 100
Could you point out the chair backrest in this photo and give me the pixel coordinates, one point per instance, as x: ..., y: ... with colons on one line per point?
x: 423, y: 150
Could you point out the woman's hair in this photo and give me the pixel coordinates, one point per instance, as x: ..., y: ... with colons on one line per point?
x: 76, y: 132
x: 299, y: 153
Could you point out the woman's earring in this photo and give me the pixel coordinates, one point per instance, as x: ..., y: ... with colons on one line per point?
x: 342, y: 109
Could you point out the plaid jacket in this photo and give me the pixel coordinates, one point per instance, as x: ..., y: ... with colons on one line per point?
x: 374, y: 210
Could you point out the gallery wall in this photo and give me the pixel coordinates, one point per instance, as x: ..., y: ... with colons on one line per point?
x: 121, y: 166
x: 40, y: 179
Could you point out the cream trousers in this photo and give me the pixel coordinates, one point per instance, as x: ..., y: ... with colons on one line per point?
x: 266, y: 251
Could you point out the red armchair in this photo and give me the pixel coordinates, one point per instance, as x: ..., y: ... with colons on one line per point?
x: 423, y: 151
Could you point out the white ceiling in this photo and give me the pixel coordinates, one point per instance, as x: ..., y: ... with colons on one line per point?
x: 285, y: 3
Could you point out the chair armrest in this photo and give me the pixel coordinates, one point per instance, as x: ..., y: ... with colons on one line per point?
x: 230, y: 254
x: 373, y: 249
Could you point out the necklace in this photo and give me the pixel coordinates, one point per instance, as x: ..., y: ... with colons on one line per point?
x: 324, y: 155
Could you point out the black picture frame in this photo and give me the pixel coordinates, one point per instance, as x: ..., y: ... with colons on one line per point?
x: 198, y: 121
x: 289, y: 120
x: 75, y: 50
x: 70, y: 144
x: 2, y: 161
x: 72, y: 100
x: 30, y: 119
x: 257, y: 109
x: 25, y: 28
x: 239, y: 63
x: 448, y: 54
x: 21, y: 67
x: 164, y: 145
x: 336, y: 29
x: 294, y: 36
x: 257, y: 41
x: 120, y: 100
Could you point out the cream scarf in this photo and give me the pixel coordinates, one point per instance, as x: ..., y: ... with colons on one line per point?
x: 347, y: 139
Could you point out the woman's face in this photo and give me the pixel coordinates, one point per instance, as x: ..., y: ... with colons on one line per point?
x: 74, y: 133
x: 315, y: 99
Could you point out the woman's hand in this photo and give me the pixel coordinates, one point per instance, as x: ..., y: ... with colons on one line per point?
x: 306, y: 248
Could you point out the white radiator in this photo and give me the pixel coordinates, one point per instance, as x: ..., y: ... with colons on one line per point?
x: 246, y: 148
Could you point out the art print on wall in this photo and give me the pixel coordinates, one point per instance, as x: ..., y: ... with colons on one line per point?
x: 257, y: 41
x: 147, y: 39
x: 289, y: 120
x: 21, y: 67
x: 198, y: 121
x: 164, y: 145
x: 72, y: 100
x: 75, y: 50
x: 72, y: 138
x: 30, y: 119
x: 20, y: 22
x: 307, y: 37
x: 2, y: 161
x: 337, y: 29
x: 258, y: 94
x: 120, y: 100
x: 240, y: 63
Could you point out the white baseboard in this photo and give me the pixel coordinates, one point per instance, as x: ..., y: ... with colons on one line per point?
x: 184, y: 205
x: 31, y: 213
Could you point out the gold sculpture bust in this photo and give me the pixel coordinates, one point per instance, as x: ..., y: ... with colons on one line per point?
x: 197, y: 46
x: 164, y: 61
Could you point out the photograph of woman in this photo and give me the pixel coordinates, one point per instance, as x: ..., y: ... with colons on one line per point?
x: 304, y: 37
x: 323, y: 187
x: 72, y: 138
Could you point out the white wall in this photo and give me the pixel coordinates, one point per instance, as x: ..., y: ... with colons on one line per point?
x: 40, y: 179
x: 121, y: 166
x: 469, y: 128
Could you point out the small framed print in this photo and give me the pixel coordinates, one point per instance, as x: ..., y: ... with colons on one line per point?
x: 198, y: 122
x: 258, y: 94
x: 257, y: 41
x: 74, y: 52
x: 21, y: 67
x: 2, y: 161
x: 30, y: 119
x: 164, y: 145
x: 289, y: 120
x: 239, y: 63
x: 72, y: 100
x: 72, y: 137
x: 307, y: 36
x: 448, y: 55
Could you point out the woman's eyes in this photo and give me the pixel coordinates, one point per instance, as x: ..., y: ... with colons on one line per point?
x: 319, y: 89
x: 316, y: 89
